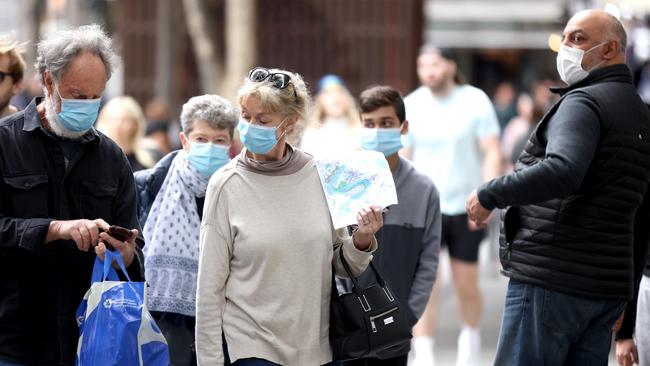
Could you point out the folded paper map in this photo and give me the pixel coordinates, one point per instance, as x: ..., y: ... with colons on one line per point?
x: 354, y: 181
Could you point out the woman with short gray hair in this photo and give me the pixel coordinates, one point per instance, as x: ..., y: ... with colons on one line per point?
x: 170, y: 207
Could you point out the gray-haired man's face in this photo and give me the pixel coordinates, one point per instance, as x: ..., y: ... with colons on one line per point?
x: 85, y: 78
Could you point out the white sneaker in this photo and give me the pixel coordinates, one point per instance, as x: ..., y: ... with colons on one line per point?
x: 469, y: 347
x: 422, y: 348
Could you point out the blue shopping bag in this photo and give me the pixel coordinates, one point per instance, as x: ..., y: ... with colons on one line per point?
x: 115, y: 327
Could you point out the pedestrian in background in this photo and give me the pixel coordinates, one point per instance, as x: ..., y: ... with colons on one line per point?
x: 267, y: 240
x: 12, y: 71
x: 62, y: 183
x: 573, y: 201
x: 409, y: 241
x: 170, y: 208
x: 454, y: 140
x: 122, y: 120
x: 334, y: 125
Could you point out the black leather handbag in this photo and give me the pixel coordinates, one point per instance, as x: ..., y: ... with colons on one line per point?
x: 367, y: 320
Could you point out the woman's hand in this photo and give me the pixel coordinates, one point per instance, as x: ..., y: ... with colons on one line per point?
x: 369, y: 221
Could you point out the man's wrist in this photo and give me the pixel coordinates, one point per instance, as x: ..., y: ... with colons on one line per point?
x: 53, y: 231
x: 485, y: 198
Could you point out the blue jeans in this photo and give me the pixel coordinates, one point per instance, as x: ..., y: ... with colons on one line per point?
x: 543, y: 327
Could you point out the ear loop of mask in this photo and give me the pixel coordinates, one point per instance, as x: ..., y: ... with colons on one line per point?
x: 278, y: 126
x: 591, y: 49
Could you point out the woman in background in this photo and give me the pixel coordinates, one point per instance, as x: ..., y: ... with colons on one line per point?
x: 334, y: 126
x: 122, y: 121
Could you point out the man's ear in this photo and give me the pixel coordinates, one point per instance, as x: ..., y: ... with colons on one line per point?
x: 17, y: 88
x: 612, y: 49
x: 48, y: 82
x: 453, y: 68
x: 405, y: 128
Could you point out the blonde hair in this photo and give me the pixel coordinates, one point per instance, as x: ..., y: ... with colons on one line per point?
x: 13, y: 49
x: 133, y: 111
x: 293, y: 101
x: 351, y: 112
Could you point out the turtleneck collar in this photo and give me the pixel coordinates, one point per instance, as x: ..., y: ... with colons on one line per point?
x: 292, y: 161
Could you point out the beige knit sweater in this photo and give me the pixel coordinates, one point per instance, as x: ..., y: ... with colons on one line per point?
x: 267, y: 244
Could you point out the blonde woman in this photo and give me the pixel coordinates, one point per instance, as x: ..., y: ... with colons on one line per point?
x: 335, y: 121
x: 122, y: 121
x: 267, y: 241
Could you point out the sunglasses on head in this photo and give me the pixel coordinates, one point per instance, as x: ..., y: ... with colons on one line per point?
x: 278, y: 80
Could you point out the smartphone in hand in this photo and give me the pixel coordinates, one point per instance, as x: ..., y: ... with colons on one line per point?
x: 119, y: 233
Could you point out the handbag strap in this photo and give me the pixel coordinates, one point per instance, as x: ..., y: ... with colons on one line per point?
x: 355, y: 287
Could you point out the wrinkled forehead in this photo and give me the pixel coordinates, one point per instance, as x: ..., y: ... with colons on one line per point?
x: 588, y: 23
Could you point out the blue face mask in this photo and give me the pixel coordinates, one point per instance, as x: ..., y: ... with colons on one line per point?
x: 78, y: 115
x: 257, y: 139
x: 207, y: 158
x: 384, y: 140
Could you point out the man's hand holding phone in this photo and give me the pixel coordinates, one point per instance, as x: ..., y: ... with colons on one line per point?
x: 120, y: 239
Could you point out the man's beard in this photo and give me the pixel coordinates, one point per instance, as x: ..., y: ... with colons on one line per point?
x: 53, y: 119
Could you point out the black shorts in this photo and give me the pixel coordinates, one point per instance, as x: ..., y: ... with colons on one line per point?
x: 462, y: 242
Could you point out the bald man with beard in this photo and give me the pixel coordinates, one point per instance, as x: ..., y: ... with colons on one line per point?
x: 575, y: 228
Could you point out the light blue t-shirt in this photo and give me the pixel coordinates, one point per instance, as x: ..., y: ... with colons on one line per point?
x: 444, y: 135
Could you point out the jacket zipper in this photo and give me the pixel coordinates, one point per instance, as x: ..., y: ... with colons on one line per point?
x: 372, y: 318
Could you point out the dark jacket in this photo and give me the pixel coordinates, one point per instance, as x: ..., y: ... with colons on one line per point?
x: 409, y: 242
x: 148, y: 183
x: 41, y: 285
x: 577, y: 190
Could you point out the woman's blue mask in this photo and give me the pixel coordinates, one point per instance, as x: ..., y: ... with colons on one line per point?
x: 207, y: 158
x: 384, y: 140
x: 257, y: 139
x: 78, y: 115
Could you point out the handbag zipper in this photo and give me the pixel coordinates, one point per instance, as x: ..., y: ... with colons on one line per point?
x: 372, y: 318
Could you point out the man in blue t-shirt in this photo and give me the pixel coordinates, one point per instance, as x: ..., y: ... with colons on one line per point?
x: 453, y: 139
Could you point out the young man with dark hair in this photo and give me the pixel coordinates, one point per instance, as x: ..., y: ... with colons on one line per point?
x: 12, y: 69
x: 409, y: 241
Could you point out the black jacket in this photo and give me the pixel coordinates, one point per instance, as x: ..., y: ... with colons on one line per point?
x: 577, y: 190
x: 148, y: 183
x: 41, y: 285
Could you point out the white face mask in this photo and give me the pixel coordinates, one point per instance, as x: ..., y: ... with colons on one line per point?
x: 569, y: 63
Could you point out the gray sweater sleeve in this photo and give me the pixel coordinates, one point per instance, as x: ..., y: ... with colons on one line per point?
x: 425, y: 273
x: 572, y: 133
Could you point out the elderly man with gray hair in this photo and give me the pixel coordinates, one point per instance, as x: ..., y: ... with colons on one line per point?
x: 62, y: 185
x: 170, y: 207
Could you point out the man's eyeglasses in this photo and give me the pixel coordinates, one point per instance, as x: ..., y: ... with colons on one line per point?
x: 3, y: 75
x: 279, y: 80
